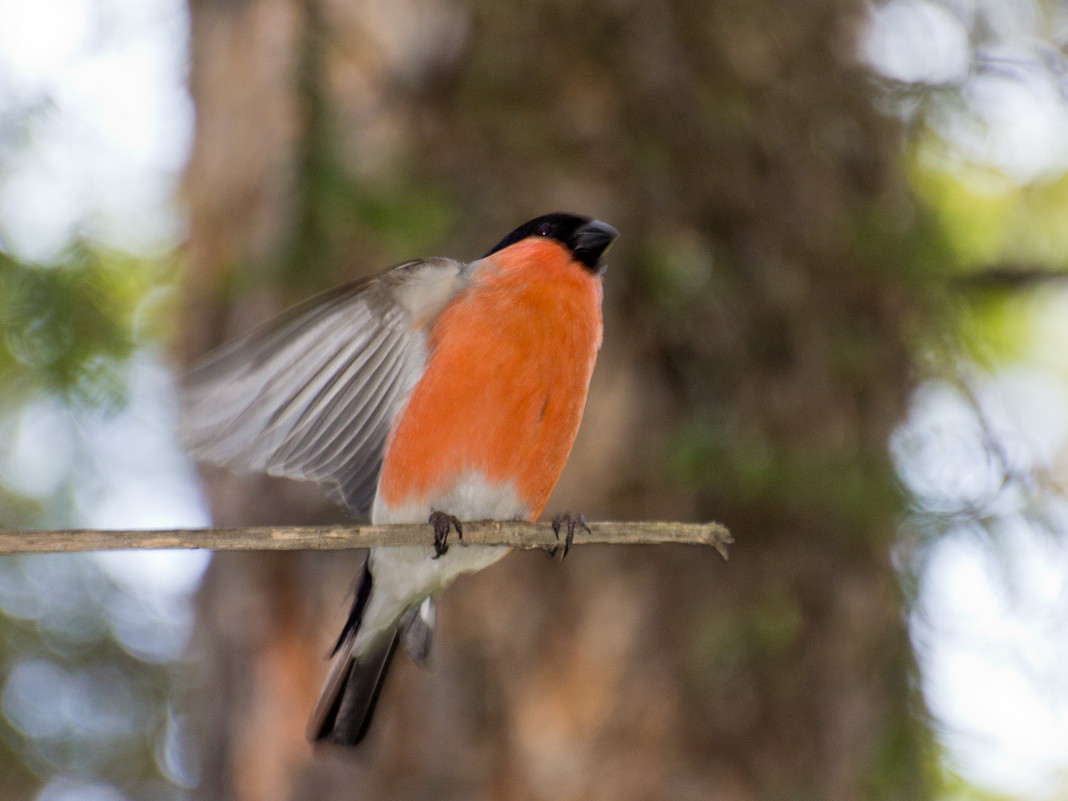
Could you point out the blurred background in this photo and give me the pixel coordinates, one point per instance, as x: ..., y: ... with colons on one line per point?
x: 836, y: 321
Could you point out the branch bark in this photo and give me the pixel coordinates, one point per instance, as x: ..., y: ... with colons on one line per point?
x: 516, y: 533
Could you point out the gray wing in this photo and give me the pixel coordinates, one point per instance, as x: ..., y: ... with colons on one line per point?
x: 312, y: 394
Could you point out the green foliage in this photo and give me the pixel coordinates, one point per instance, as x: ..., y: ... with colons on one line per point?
x: 988, y: 218
x: 67, y: 329
x: 991, y: 223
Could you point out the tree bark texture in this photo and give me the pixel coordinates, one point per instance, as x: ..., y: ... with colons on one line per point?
x: 759, y: 308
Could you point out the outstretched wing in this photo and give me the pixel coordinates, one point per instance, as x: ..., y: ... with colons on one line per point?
x: 311, y: 395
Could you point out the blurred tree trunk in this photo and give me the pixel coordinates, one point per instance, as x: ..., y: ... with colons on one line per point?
x: 755, y: 364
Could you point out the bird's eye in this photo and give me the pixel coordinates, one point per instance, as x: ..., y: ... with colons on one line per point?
x: 544, y: 229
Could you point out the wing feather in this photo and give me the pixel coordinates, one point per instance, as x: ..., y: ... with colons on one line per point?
x: 312, y: 394
x: 317, y: 429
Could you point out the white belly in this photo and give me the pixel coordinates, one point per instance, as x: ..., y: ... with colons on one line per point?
x: 406, y: 575
x: 469, y: 497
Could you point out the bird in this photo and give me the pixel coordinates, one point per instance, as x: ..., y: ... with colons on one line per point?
x: 436, y: 392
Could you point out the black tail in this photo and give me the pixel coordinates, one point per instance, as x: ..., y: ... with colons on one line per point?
x: 350, y: 693
x: 347, y: 701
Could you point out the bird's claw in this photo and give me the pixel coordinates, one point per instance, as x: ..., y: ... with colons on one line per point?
x: 571, y: 520
x: 442, y: 522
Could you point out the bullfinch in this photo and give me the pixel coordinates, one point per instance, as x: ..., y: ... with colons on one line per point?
x: 438, y: 391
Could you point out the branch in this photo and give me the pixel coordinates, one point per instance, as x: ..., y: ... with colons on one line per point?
x: 518, y: 534
x: 1010, y: 277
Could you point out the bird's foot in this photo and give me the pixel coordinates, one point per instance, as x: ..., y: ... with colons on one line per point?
x: 571, y: 520
x: 442, y: 522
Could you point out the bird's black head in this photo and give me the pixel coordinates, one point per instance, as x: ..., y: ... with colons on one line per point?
x: 586, y: 239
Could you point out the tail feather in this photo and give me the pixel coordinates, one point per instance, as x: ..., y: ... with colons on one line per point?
x: 361, y: 593
x: 347, y: 702
x: 343, y: 710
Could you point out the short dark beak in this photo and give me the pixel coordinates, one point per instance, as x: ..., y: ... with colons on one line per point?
x: 589, y: 243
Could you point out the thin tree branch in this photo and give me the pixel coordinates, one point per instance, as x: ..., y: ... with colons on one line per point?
x: 518, y: 534
x: 1010, y: 277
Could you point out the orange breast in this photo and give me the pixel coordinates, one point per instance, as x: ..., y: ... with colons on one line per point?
x: 505, y: 383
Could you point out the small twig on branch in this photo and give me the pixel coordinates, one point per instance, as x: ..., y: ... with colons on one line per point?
x: 518, y: 534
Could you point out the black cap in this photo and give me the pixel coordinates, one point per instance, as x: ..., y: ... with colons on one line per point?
x: 586, y: 239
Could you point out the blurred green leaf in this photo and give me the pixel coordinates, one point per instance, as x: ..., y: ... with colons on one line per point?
x: 66, y: 329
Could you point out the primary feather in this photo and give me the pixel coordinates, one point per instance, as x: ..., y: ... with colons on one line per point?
x: 311, y: 395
